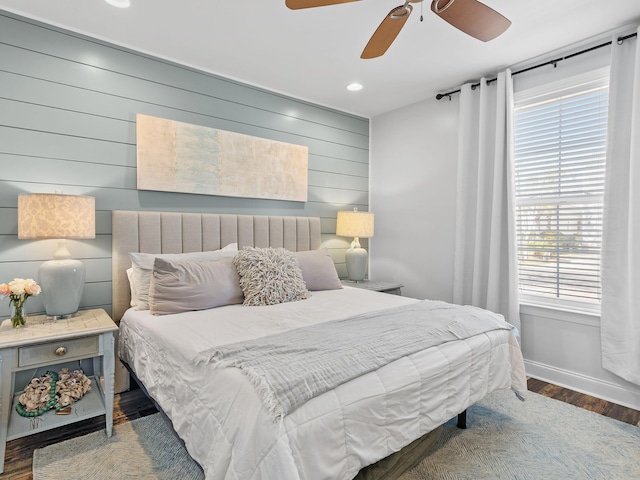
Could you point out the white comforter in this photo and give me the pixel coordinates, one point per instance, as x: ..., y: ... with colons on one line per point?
x: 227, y: 429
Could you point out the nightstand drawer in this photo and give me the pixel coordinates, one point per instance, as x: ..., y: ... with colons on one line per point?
x: 58, y: 350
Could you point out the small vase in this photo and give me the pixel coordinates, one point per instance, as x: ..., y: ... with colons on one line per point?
x: 18, y: 314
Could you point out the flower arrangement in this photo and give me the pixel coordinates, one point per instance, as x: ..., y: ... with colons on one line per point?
x: 18, y: 291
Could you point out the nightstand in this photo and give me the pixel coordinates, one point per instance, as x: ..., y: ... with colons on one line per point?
x: 85, y: 341
x: 377, y: 286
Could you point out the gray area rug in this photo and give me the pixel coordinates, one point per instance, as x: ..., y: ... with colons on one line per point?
x: 540, y: 438
x: 145, y: 448
x: 506, y: 439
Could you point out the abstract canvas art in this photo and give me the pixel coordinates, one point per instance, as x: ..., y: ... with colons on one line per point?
x: 180, y: 157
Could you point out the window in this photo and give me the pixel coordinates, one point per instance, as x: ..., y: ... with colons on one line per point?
x: 560, y: 146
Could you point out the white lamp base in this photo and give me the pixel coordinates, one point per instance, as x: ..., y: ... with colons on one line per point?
x: 356, y: 260
x: 62, y: 282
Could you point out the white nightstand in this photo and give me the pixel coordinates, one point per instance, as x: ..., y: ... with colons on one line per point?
x: 377, y: 286
x: 85, y: 341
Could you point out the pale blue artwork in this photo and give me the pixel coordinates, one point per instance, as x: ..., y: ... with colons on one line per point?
x: 180, y: 157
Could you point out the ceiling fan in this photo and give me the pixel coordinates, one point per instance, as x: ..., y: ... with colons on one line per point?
x: 470, y: 16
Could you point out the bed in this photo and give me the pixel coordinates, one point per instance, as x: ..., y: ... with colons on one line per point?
x: 229, y: 424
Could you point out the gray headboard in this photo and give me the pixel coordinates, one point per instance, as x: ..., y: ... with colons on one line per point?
x: 175, y: 232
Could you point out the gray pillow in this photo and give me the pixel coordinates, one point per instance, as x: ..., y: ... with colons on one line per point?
x: 269, y: 276
x: 142, y: 268
x: 182, y: 286
x: 318, y: 270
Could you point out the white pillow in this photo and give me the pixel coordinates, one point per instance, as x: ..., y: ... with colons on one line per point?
x: 132, y: 285
x: 142, y: 265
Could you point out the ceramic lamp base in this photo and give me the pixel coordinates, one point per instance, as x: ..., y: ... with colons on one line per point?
x: 356, y: 260
x: 62, y: 282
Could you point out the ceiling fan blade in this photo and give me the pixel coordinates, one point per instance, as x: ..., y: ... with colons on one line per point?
x: 387, y: 32
x: 472, y: 17
x: 298, y: 4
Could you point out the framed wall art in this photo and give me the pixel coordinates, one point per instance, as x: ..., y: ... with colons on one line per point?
x: 180, y: 157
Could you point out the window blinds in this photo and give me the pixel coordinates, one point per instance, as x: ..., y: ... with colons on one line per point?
x: 560, y: 149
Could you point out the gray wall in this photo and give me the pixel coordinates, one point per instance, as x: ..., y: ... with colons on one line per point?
x: 67, y: 124
x: 413, y: 195
x: 414, y: 244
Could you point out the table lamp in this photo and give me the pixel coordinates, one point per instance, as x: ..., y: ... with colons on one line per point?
x: 44, y: 215
x: 355, y: 224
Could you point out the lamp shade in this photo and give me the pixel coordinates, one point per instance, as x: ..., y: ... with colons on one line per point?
x: 354, y: 224
x: 52, y: 215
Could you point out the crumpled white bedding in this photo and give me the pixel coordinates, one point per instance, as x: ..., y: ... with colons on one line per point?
x: 226, y: 428
x: 290, y: 368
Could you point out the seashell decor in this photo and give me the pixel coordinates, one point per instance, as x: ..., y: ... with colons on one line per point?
x: 52, y: 391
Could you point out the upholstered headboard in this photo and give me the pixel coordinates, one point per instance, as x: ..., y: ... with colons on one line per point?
x: 174, y: 232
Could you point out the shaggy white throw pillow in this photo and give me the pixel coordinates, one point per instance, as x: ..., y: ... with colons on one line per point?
x: 269, y: 276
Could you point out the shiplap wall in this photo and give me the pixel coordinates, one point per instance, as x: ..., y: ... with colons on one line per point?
x: 67, y: 124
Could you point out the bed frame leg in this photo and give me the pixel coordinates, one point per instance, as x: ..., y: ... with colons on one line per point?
x: 462, y: 420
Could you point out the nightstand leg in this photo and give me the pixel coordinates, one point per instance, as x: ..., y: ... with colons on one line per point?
x: 5, y: 401
x: 109, y: 373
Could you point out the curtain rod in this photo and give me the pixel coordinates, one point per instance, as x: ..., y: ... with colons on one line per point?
x: 553, y: 62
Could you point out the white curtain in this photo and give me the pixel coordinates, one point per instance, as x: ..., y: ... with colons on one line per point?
x: 485, y: 265
x: 620, y: 319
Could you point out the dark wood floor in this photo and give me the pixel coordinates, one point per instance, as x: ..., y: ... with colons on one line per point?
x: 587, y: 402
x: 134, y: 404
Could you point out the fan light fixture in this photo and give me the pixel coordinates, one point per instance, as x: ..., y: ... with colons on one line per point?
x: 119, y: 3
x: 469, y: 16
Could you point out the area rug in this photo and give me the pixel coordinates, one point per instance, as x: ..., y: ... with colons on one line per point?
x: 145, y: 449
x: 506, y: 439
x: 540, y: 438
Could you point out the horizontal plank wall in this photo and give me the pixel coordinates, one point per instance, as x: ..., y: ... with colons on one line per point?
x: 67, y: 124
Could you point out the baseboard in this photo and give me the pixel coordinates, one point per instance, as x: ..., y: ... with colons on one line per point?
x: 595, y: 387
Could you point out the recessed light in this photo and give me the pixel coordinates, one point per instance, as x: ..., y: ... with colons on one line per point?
x: 354, y: 87
x: 119, y: 3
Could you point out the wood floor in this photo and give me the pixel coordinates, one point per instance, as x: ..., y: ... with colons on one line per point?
x: 134, y: 404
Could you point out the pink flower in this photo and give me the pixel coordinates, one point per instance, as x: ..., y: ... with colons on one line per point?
x: 4, y: 289
x: 31, y: 287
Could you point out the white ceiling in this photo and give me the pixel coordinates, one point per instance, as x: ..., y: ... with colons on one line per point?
x: 313, y: 54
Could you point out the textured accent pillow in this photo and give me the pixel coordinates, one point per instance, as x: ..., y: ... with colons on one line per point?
x: 269, y: 276
x: 142, y: 264
x: 181, y: 286
x: 318, y: 270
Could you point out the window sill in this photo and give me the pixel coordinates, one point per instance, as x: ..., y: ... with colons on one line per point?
x: 564, y: 314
